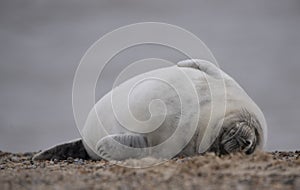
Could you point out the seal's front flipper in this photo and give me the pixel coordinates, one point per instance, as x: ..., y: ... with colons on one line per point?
x: 122, y: 147
x: 203, y: 65
x: 74, y: 149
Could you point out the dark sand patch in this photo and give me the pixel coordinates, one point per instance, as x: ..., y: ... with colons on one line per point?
x: 276, y: 170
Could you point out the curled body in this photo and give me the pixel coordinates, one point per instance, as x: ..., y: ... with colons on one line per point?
x: 206, y: 108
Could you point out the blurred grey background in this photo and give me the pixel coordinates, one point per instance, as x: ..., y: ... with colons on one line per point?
x: 42, y: 41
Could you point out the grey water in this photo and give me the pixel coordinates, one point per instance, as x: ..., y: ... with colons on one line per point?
x: 41, y: 44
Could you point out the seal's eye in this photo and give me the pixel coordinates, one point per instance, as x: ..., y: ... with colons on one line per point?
x: 232, y: 132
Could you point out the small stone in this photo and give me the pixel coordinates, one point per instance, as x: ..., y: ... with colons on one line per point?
x: 70, y: 160
x: 289, y: 181
x: 79, y: 161
x: 29, y: 154
x: 42, y: 165
x: 2, y: 167
x: 15, y: 159
x: 27, y: 162
x: 55, y: 160
x: 3, y: 153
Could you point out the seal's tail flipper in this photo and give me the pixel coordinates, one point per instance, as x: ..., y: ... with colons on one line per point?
x: 74, y: 149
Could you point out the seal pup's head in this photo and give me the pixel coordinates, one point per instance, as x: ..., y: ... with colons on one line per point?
x: 240, y: 132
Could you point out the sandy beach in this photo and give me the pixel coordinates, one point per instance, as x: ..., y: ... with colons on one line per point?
x: 262, y: 170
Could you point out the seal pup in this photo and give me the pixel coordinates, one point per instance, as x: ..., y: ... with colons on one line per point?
x: 241, y: 127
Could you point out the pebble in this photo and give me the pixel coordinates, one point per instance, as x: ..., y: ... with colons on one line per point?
x: 27, y: 162
x: 55, y: 160
x: 29, y: 154
x: 32, y: 167
x: 15, y: 159
x: 70, y: 160
x: 78, y: 161
x: 42, y: 165
x: 289, y: 181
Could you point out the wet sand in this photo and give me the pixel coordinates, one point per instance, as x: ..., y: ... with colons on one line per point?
x: 263, y: 170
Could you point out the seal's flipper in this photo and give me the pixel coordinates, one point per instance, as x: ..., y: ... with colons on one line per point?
x: 74, y: 149
x: 122, y: 146
x: 203, y: 65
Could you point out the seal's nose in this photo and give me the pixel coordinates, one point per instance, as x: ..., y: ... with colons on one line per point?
x: 248, y: 148
x: 248, y: 143
x: 245, y: 144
